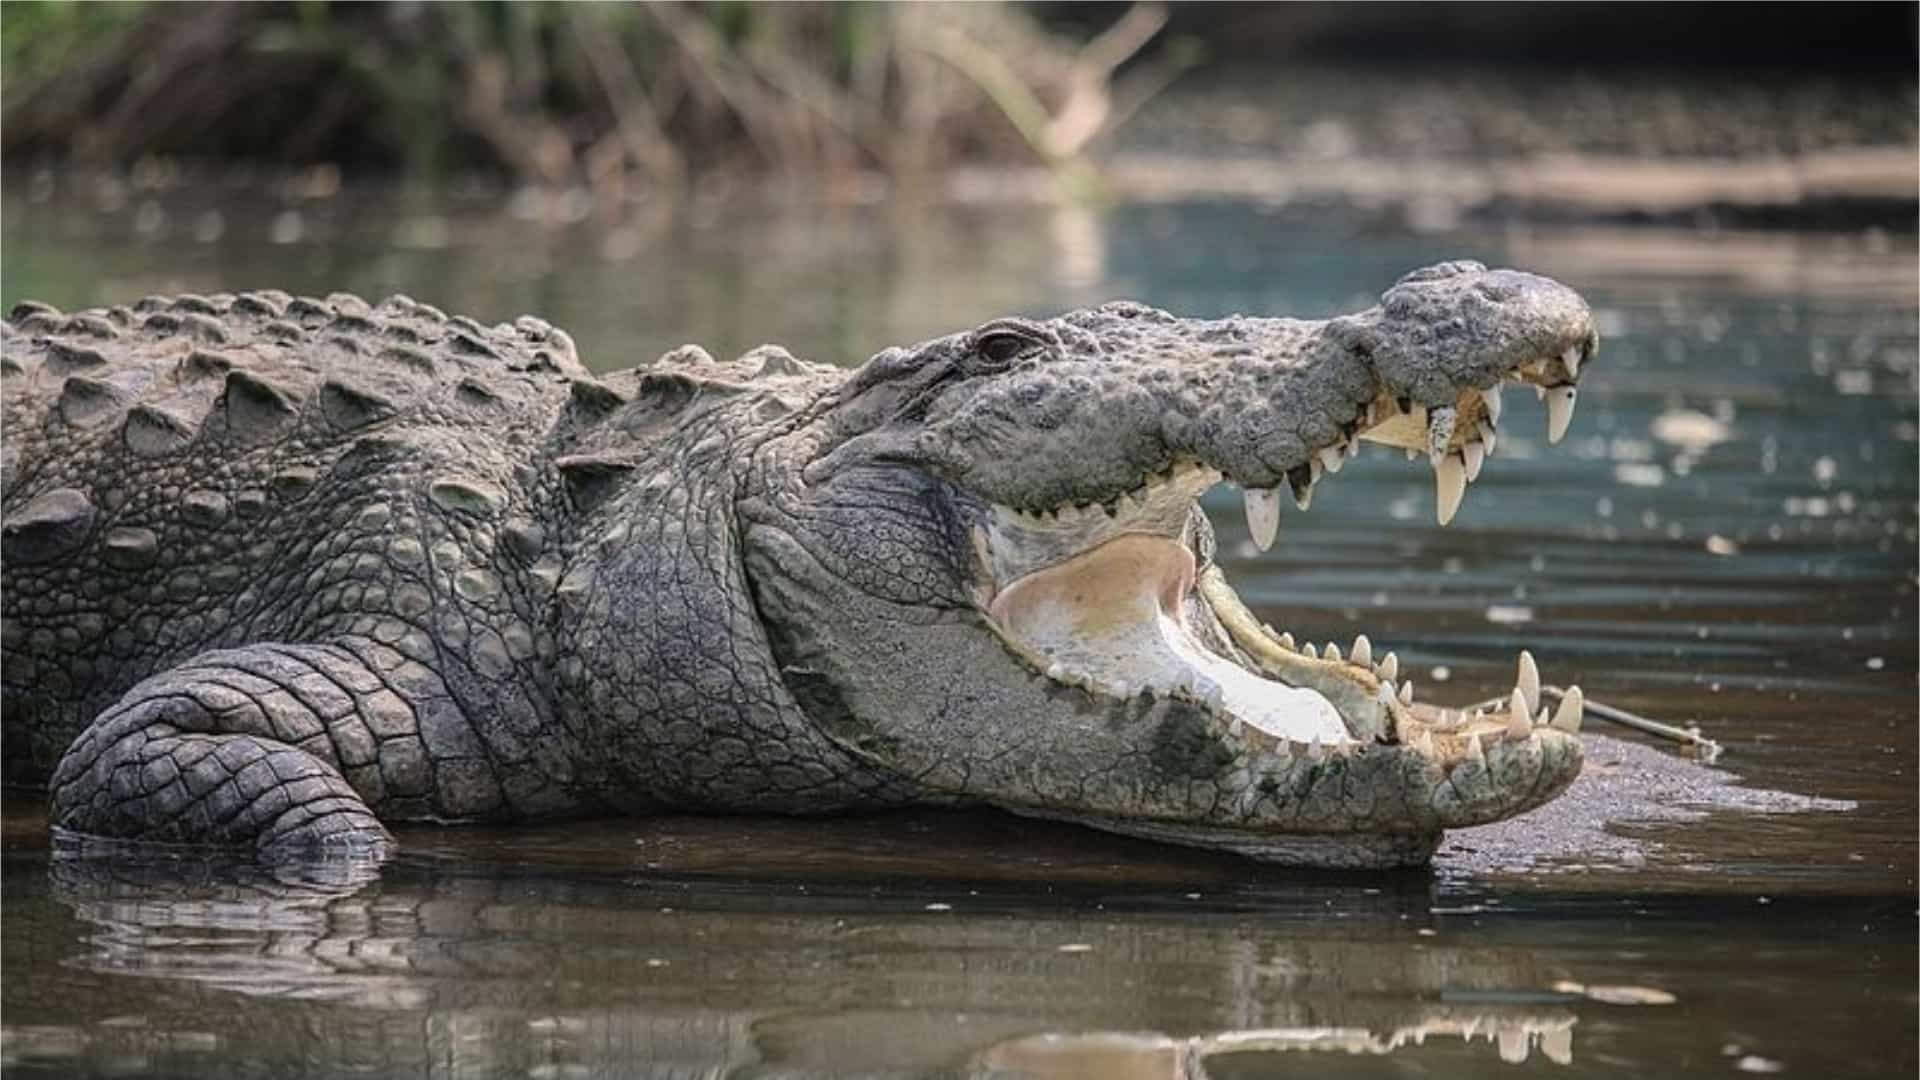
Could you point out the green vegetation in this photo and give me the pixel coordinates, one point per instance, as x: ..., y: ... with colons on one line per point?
x: 40, y: 38
x: 622, y: 99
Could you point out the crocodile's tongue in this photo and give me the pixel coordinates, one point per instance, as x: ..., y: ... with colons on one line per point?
x: 1113, y: 615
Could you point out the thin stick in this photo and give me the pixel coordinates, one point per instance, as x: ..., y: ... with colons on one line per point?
x: 1707, y: 749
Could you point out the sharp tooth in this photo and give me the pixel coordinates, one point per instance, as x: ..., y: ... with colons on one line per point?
x: 1286, y: 641
x: 1422, y: 743
x: 1541, y: 720
x: 1300, y: 478
x: 1488, y: 436
x: 1571, y: 361
x: 1475, y: 753
x: 1314, y: 750
x: 1474, y: 454
x: 1384, y: 695
x: 1528, y: 681
x: 1056, y: 671
x: 1351, y: 450
x: 1572, y: 709
x: 1406, y: 692
x: 1309, y: 651
x: 1450, y: 482
x: 1559, y: 412
x: 1440, y: 423
x: 1539, y: 392
x: 1331, y: 458
x: 1513, y: 1043
x: 1519, y: 721
x: 1362, y: 653
x: 1490, y: 398
x: 1333, y: 652
x: 1263, y: 515
x: 1389, y: 668
x: 1237, y: 728
x: 1558, y: 1045
x: 1412, y: 453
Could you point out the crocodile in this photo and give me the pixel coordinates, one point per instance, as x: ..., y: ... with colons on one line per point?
x: 280, y: 571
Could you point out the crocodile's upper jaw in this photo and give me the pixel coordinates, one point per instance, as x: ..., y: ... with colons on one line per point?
x: 1115, y: 598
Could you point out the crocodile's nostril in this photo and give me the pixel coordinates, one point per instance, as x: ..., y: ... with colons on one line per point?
x: 1442, y: 270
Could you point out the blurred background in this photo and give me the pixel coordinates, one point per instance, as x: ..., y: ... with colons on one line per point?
x: 846, y: 175
x: 1726, y: 540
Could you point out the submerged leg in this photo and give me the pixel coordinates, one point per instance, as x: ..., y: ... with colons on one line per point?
x: 281, y: 748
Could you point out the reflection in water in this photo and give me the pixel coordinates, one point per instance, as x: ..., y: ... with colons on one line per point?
x: 515, y: 972
x: 1514, y: 1034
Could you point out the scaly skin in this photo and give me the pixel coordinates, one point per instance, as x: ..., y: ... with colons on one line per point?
x: 278, y: 570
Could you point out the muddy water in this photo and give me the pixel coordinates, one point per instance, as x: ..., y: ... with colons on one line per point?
x: 1726, y: 539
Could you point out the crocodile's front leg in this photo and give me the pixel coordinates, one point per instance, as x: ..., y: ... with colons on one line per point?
x: 281, y: 748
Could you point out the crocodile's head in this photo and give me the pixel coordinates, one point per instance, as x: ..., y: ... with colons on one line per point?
x: 986, y: 569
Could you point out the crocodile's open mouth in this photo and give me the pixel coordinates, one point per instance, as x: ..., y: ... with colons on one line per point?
x: 1121, y: 599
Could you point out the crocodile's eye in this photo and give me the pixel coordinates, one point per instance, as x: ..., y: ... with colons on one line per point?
x: 997, y: 345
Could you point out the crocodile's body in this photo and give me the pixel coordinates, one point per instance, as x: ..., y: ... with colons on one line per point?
x: 280, y: 569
